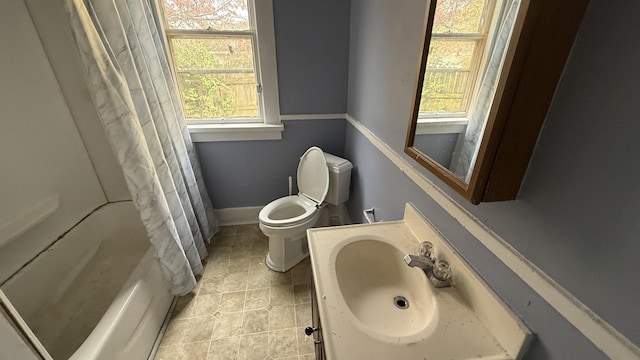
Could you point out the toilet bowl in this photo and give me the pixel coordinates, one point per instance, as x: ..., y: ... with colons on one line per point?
x: 286, y: 220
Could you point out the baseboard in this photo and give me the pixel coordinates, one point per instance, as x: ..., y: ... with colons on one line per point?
x: 238, y: 216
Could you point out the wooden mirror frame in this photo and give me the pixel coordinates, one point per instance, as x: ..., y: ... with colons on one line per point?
x: 543, y: 37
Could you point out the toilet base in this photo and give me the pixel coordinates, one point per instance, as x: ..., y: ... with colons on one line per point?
x: 338, y: 215
x: 286, y: 253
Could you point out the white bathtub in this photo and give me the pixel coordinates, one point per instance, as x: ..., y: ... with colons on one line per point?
x: 96, y: 293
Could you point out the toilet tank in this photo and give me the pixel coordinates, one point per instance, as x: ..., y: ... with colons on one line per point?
x: 339, y: 179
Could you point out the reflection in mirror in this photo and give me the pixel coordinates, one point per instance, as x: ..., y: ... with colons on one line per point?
x: 488, y: 73
x: 467, y: 42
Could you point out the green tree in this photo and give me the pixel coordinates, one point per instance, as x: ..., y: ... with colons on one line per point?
x: 215, y: 73
x: 452, y: 60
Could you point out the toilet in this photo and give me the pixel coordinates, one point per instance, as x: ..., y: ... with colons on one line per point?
x: 323, y: 185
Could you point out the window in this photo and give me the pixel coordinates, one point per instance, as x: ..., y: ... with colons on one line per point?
x: 223, y: 59
x: 457, y: 55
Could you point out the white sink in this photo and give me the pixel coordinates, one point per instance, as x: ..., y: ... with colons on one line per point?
x: 385, y: 295
x: 373, y: 306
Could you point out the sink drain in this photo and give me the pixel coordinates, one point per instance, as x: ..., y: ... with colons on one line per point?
x: 401, y: 302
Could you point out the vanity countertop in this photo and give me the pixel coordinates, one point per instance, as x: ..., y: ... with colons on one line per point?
x: 358, y: 270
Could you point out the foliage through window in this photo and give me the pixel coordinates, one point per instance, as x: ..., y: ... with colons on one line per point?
x: 213, y: 44
x: 456, y: 53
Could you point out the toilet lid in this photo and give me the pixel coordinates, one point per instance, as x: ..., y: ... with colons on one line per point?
x: 313, y: 175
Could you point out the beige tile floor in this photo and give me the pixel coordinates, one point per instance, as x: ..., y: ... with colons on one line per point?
x: 241, y: 309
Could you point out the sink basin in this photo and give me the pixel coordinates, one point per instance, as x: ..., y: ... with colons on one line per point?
x: 372, y: 305
x: 385, y: 295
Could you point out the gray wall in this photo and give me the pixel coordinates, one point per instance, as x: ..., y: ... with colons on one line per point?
x: 312, y: 47
x: 253, y: 173
x: 576, y: 214
x: 438, y: 147
x: 312, y: 42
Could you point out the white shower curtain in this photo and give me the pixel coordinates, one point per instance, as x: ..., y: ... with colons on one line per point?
x: 464, y: 159
x: 128, y: 75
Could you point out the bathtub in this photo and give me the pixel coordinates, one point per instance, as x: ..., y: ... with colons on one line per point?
x: 97, y: 292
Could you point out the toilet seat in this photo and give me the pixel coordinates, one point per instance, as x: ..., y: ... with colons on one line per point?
x: 313, y: 175
x: 313, y: 183
x: 287, y: 211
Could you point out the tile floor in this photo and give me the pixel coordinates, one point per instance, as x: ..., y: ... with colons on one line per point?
x: 241, y: 309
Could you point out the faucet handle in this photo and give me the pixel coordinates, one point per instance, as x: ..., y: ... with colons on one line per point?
x: 425, y: 249
x: 442, y: 270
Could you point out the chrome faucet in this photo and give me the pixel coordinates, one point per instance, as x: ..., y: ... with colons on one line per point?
x: 438, y: 271
x: 422, y: 262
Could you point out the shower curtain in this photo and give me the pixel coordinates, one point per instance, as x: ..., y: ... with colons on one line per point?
x: 128, y: 76
x: 464, y: 159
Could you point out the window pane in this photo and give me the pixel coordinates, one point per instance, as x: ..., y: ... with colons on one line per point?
x: 447, y: 76
x: 216, y: 77
x: 229, y: 53
x: 218, y: 95
x: 206, y: 14
x: 458, y: 16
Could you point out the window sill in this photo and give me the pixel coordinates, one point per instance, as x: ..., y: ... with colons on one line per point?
x: 441, y: 126
x: 235, y: 132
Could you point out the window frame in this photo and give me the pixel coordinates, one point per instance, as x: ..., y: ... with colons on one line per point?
x: 456, y: 122
x: 544, y: 35
x: 268, y: 125
x: 173, y: 34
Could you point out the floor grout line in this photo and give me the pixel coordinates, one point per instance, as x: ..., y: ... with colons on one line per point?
x: 252, y: 252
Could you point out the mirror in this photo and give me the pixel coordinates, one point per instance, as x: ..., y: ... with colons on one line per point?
x: 487, y: 73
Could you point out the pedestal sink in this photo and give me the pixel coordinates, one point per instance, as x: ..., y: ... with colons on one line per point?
x: 373, y: 306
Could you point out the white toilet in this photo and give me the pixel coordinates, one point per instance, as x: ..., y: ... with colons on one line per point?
x: 323, y: 182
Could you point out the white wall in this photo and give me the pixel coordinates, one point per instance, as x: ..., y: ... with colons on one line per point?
x: 44, y: 164
x: 52, y: 24
x: 14, y: 347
